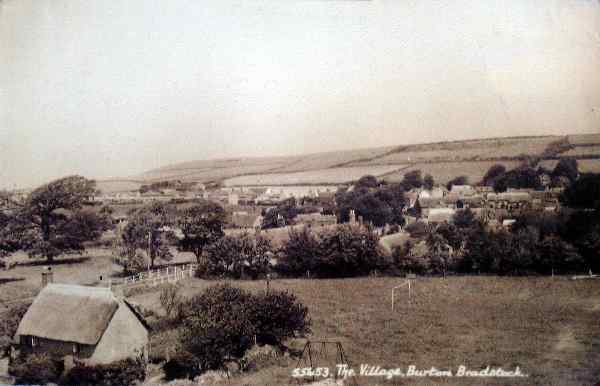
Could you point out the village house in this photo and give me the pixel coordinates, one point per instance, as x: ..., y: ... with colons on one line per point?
x: 316, y: 219
x: 88, y: 324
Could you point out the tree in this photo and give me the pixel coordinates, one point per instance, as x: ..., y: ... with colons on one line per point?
x: 52, y: 222
x: 412, y: 180
x: 127, y: 256
x: 10, y: 234
x: 148, y: 230
x: 222, y: 323
x: 170, y: 298
x: 393, y: 195
x: 202, y: 224
x: 237, y: 256
x: 556, y: 255
x: 299, y: 253
x: 453, y: 235
x: 367, y: 182
x: 589, y: 245
x: 406, y: 262
x: 428, y: 182
x: 285, y: 210
x: 276, y: 316
x: 439, y: 251
x: 583, y: 193
x: 216, y: 327
x: 348, y: 251
x: 460, y: 180
x: 464, y: 218
x: 373, y: 210
x: 494, y: 172
x: 523, y: 177
x: 566, y: 167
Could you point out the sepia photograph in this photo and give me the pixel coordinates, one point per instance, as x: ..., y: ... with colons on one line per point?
x: 300, y: 192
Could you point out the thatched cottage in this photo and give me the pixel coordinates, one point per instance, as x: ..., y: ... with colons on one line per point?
x: 88, y: 323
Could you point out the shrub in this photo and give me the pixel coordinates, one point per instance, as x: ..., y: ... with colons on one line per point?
x: 221, y: 323
x: 170, y: 299
x: 8, y: 327
x: 407, y: 263
x: 122, y: 373
x: 36, y: 369
x: 181, y: 365
x: 276, y: 316
x: 216, y: 326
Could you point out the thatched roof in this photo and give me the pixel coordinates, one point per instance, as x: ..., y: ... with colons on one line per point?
x: 69, y: 313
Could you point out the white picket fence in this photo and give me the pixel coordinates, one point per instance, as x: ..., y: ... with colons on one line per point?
x: 164, y: 275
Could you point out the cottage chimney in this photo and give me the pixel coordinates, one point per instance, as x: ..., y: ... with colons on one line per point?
x: 47, y: 276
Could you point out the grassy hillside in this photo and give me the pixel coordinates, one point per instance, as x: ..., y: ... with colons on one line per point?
x: 444, y: 160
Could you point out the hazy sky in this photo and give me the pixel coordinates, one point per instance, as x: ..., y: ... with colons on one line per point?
x: 113, y: 88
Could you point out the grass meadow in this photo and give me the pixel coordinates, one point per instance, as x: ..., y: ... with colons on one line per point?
x: 547, y: 326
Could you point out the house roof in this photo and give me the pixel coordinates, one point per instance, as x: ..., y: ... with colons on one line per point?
x: 462, y: 190
x: 510, y: 196
x: 70, y: 313
x: 440, y: 215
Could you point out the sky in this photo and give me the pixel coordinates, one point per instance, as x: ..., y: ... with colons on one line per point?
x: 115, y: 88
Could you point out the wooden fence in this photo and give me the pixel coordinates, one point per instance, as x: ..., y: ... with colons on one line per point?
x: 163, y: 275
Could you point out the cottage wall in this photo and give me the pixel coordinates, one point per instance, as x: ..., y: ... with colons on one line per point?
x: 125, y: 337
x: 55, y: 348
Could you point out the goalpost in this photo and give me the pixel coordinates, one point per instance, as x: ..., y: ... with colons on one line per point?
x: 407, y: 284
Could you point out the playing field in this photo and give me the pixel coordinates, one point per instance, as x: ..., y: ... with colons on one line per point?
x: 548, y: 327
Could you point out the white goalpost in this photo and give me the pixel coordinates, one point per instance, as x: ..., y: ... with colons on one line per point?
x: 405, y: 284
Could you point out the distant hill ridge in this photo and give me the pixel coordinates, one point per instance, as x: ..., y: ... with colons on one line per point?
x: 444, y: 160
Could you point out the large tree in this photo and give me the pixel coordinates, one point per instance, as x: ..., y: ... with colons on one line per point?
x: 566, y: 167
x: 523, y: 177
x: 460, y: 180
x: 201, y: 225
x: 149, y: 230
x: 583, y: 193
x: 286, y: 210
x: 381, y: 205
x: 428, y: 182
x: 53, y: 221
x: 412, y: 179
x: 10, y: 238
x: 494, y: 172
x: 238, y: 256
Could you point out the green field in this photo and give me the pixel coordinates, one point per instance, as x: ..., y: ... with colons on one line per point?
x: 547, y: 326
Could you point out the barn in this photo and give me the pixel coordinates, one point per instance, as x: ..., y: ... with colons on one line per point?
x: 88, y: 323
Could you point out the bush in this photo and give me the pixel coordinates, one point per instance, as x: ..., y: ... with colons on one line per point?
x: 170, y: 298
x: 222, y: 322
x: 276, y: 316
x: 122, y: 373
x: 181, y: 365
x: 36, y: 369
x: 216, y: 327
x: 407, y: 263
x: 8, y: 327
